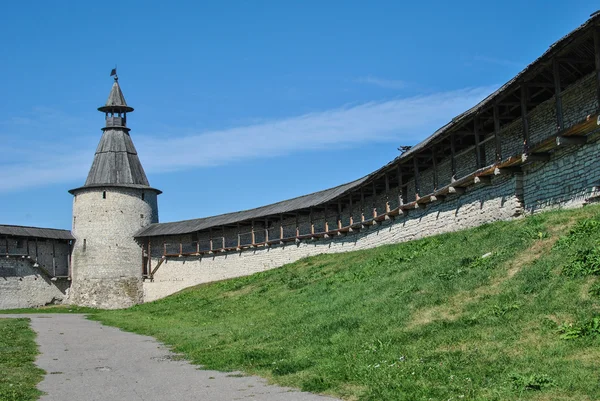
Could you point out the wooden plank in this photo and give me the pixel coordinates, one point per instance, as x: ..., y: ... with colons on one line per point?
x: 387, y: 193
x: 524, y: 118
x: 373, y: 200
x: 557, y: 95
x: 497, y: 133
x: 362, y: 204
x: 478, y: 160
x: 281, y: 226
x: 339, y: 214
x: 266, y: 230
x: 253, y: 237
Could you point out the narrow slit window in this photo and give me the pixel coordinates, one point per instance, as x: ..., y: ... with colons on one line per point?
x: 143, y: 196
x: 84, y: 244
x: 103, y: 194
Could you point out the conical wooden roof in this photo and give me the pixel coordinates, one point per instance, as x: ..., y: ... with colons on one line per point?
x: 116, y: 101
x: 116, y: 161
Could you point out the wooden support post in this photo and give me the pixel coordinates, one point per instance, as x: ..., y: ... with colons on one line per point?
x: 312, y: 223
x: 387, y: 193
x: 223, y: 232
x: 281, y: 226
x: 339, y: 215
x: 417, y: 180
x: 557, y: 95
x: 435, y: 172
x: 239, y: 239
x: 374, y: 200
x: 266, y: 230
x: 210, y: 239
x: 198, y: 243
x: 36, y: 249
x: 6, y: 244
x: 54, y: 257
x: 497, y: 133
x: 452, y: 157
x: 326, y: 222
x: 478, y: 158
x: 164, y: 248
x: 400, y: 186
x: 351, y: 220
x: 297, y: 227
x: 597, y: 61
x: 253, y: 237
x: 27, y: 245
x: 149, y: 256
x: 180, y: 247
x: 524, y: 119
x: 362, y: 204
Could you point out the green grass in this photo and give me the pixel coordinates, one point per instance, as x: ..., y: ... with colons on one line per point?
x: 425, y: 320
x: 18, y: 373
x: 51, y: 309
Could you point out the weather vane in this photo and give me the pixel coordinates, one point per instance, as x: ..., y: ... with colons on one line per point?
x: 114, y: 73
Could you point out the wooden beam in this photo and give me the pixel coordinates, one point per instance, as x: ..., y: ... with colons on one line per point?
x: 497, y: 133
x: 239, y: 239
x: 570, y: 140
x: 417, y: 183
x: 351, y: 212
x: 524, y: 118
x: 210, y: 239
x: 266, y: 230
x: 597, y: 61
x: 312, y: 223
x: 557, y: 95
x: 478, y: 160
x: 281, y: 226
x: 253, y: 237
x: 223, y: 232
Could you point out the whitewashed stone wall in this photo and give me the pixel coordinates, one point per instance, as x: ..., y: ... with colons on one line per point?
x: 107, y: 261
x: 479, y: 205
x: 23, y: 286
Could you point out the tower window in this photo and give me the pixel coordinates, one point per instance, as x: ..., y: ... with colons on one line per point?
x: 103, y: 194
x: 84, y: 244
x: 143, y: 196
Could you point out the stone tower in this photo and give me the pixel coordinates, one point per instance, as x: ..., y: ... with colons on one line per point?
x: 115, y: 202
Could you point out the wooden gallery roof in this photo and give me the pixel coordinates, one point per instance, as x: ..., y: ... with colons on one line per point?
x: 564, y: 63
x: 35, y: 232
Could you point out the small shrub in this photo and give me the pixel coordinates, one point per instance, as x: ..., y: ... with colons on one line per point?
x: 595, y: 290
x: 580, y: 231
x: 590, y: 328
x: 315, y: 384
x: 585, y: 263
x: 533, y: 381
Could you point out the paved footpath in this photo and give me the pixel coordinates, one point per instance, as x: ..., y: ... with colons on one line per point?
x: 87, y: 361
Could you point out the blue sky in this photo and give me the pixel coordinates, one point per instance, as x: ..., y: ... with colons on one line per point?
x: 240, y: 104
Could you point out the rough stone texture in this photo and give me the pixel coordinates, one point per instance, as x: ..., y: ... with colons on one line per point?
x: 107, y: 261
x: 478, y: 206
x: 23, y: 286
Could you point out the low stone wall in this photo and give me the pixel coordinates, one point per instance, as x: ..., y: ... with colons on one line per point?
x: 480, y: 204
x: 24, y: 286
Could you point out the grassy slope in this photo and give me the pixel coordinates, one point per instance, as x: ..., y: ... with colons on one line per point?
x: 18, y: 373
x: 429, y: 319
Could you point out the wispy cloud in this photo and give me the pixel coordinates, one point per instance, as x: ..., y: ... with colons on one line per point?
x: 381, y: 82
x: 407, y: 119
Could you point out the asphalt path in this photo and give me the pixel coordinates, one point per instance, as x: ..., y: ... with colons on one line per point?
x: 85, y: 360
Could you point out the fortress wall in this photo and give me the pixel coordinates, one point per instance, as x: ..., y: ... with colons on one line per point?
x: 479, y: 205
x: 23, y: 286
x: 51, y: 255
